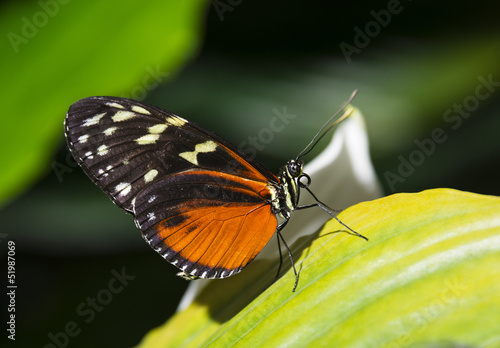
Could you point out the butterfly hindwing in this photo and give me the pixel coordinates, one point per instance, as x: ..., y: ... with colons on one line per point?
x: 207, y: 228
x: 199, y: 202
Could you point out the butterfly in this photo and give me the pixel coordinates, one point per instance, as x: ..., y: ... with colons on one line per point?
x: 200, y: 202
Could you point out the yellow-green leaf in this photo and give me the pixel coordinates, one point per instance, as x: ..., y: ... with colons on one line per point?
x: 429, y: 274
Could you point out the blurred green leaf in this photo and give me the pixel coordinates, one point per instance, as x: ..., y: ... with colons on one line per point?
x: 54, y: 53
x: 429, y: 274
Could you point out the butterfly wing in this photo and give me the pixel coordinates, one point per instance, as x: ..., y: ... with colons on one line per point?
x: 208, y: 228
x: 199, y: 202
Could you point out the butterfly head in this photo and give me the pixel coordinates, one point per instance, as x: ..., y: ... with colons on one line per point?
x: 294, y: 172
x: 294, y: 168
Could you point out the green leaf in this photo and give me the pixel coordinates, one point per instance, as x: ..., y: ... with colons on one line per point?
x: 428, y: 274
x: 56, y: 52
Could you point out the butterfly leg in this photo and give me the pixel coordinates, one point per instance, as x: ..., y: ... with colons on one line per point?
x: 328, y: 210
x: 281, y: 258
x: 280, y: 237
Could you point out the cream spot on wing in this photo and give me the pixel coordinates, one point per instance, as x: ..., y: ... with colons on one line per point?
x: 83, y: 138
x: 124, y: 188
x: 207, y: 146
x: 108, y: 168
x: 151, y: 216
x: 192, y: 156
x: 151, y: 199
x: 156, y: 129
x: 110, y: 131
x: 140, y: 109
x: 100, y: 171
x: 92, y: 121
x: 126, y: 191
x: 176, y: 121
x: 147, y: 139
x: 115, y: 105
x: 122, y: 116
x: 89, y: 155
x: 149, y: 176
x: 102, y: 150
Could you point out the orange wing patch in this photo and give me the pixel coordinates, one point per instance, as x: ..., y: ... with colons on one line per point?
x: 223, y: 238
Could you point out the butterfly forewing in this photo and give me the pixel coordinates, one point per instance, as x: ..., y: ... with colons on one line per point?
x: 198, y: 201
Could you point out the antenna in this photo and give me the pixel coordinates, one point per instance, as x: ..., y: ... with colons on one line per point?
x: 319, y: 135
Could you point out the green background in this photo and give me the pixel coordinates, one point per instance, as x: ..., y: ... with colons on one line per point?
x: 226, y: 68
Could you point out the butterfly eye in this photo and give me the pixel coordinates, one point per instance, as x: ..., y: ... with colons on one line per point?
x: 295, y: 168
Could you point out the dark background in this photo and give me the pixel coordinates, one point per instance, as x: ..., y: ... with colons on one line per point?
x: 259, y: 56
